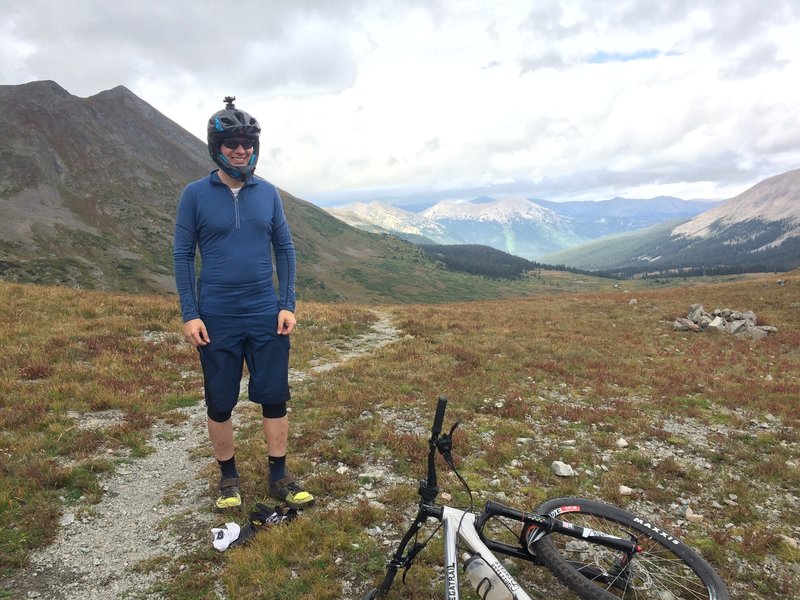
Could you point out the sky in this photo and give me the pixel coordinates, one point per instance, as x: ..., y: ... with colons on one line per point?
x: 414, y: 101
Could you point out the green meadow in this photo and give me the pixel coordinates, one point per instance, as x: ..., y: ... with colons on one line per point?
x: 711, y: 422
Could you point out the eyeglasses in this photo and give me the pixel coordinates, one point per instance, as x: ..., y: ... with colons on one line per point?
x: 234, y: 143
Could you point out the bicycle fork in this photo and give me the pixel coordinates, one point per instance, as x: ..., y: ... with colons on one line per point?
x: 538, y: 526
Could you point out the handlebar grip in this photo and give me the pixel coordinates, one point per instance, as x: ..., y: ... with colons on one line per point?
x: 439, y: 418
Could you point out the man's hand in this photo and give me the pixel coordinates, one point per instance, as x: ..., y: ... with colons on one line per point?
x: 195, y: 332
x: 286, y: 322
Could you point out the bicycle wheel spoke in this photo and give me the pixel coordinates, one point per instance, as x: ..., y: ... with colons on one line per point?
x: 669, y: 577
x: 659, y: 571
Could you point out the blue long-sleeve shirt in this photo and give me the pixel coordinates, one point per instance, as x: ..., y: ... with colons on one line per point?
x: 236, y: 237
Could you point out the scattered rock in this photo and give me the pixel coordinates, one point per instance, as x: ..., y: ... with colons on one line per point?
x: 562, y: 469
x: 692, y: 516
x: 789, y: 541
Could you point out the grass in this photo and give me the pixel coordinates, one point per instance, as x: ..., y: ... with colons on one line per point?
x: 557, y: 376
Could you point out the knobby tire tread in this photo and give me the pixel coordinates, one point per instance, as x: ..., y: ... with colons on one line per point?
x: 583, y: 587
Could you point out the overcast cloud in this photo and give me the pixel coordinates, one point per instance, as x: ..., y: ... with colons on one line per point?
x: 424, y: 100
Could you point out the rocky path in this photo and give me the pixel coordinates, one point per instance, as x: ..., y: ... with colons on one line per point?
x: 100, y: 550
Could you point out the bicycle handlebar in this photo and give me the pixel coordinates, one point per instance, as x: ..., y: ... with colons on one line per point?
x: 428, y: 488
x: 439, y: 418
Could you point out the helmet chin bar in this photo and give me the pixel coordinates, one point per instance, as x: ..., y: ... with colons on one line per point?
x: 238, y: 173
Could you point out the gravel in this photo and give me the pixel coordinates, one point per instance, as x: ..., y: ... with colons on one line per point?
x: 98, y: 546
x: 154, y: 510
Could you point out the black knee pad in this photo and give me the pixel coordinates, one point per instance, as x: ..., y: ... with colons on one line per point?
x: 219, y: 417
x: 273, y: 411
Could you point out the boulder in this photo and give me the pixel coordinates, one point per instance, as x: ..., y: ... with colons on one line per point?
x: 562, y: 469
x: 717, y: 324
x: 682, y: 324
x: 696, y: 311
x: 739, y: 323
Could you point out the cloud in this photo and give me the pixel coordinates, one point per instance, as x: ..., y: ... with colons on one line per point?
x: 275, y: 45
x: 753, y: 61
x: 555, y: 99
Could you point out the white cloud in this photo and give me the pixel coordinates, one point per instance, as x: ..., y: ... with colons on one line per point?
x: 373, y: 99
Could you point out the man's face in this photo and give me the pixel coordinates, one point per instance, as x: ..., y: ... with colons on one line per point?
x: 237, y: 150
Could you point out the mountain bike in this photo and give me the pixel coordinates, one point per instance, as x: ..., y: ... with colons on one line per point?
x: 597, y: 550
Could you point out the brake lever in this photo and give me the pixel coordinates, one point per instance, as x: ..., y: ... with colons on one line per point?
x: 445, y: 443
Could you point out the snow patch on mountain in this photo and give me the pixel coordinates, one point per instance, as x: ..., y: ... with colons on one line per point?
x: 503, y: 210
x: 390, y: 218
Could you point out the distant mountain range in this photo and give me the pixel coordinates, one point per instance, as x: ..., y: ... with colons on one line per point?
x: 757, y: 230
x: 519, y: 226
x: 89, y: 188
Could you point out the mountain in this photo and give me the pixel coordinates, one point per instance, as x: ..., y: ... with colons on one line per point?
x: 520, y: 226
x: 758, y: 230
x: 89, y: 189
x: 514, y: 225
x: 383, y: 218
x: 594, y: 219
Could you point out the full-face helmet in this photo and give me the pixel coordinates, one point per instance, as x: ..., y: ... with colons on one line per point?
x: 229, y: 123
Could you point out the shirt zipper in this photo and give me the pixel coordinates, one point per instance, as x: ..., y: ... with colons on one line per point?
x: 236, y: 206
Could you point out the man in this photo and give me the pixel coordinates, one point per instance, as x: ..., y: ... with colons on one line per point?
x: 233, y: 314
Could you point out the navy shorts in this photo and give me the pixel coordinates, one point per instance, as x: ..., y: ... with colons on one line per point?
x: 234, y: 342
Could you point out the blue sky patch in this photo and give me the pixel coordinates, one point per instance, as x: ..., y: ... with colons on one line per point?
x: 605, y: 57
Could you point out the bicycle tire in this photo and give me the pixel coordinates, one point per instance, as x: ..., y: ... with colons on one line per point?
x: 665, y: 569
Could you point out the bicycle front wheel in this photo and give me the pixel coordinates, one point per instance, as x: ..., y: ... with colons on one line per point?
x: 665, y: 569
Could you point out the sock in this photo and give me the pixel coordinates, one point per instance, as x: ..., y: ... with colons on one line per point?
x: 228, y: 467
x: 224, y: 536
x: 277, y: 468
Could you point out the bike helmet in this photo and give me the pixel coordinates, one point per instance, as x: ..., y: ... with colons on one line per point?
x: 232, y: 122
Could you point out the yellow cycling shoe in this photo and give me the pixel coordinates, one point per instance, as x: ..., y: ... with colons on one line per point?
x: 288, y: 490
x: 229, y: 494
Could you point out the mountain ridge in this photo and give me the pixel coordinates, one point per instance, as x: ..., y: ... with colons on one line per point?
x: 526, y: 227
x: 781, y: 202
x: 501, y: 210
x: 757, y: 230
x: 89, y: 189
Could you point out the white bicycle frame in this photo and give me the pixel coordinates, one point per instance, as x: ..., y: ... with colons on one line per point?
x: 461, y: 524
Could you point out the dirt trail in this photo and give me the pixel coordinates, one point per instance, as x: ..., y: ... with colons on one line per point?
x: 95, y: 555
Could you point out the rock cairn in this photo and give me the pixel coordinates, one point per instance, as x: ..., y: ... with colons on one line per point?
x: 734, y: 322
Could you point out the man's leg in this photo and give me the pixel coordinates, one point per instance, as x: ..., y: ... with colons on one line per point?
x: 267, y: 358
x: 276, y: 434
x: 221, y: 435
x: 275, y: 423
x: 222, y: 362
x: 281, y: 484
